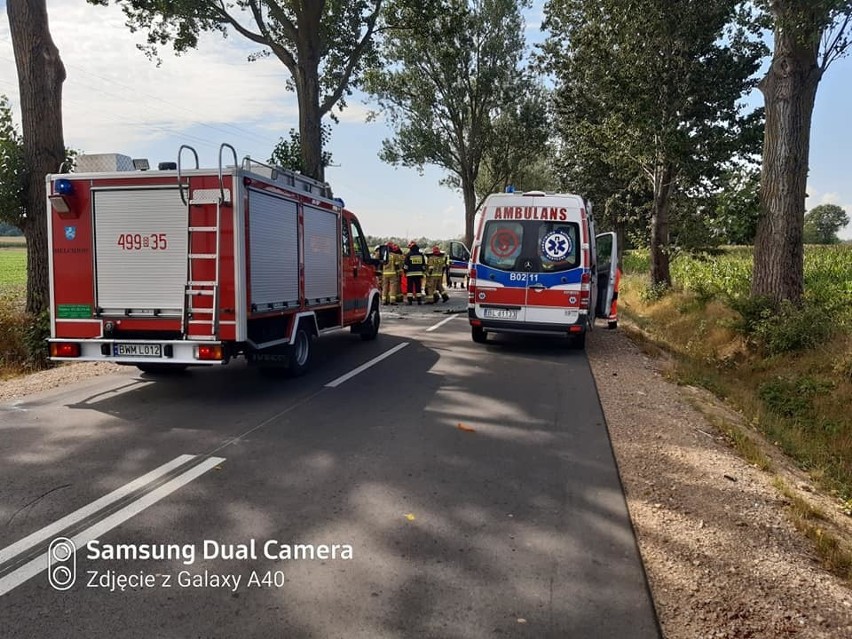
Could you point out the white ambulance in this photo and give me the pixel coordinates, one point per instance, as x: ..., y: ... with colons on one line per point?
x: 537, y: 267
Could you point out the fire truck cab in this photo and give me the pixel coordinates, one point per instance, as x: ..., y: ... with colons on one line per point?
x: 537, y: 267
x: 180, y: 266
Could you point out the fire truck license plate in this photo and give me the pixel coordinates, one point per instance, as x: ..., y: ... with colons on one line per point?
x: 500, y: 313
x: 137, y: 350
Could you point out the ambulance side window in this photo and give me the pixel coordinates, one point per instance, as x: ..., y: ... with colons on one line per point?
x: 501, y: 244
x: 458, y: 251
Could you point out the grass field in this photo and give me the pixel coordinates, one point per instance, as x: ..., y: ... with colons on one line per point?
x: 13, y: 268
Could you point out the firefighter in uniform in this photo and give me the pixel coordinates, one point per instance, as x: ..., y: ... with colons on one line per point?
x: 390, y: 276
x: 415, y: 270
x: 435, y: 275
x: 399, y: 259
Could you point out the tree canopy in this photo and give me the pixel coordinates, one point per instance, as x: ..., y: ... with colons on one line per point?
x: 823, y: 222
x: 451, y: 83
x: 649, y: 101
x: 323, y: 43
x: 11, y: 168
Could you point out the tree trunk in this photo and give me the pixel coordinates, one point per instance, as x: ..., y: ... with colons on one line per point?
x: 469, y: 194
x: 789, y: 90
x: 310, y: 118
x: 40, y: 77
x: 660, y: 273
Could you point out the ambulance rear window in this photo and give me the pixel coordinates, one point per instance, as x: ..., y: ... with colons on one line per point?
x: 501, y: 244
x: 558, y: 246
x: 530, y: 245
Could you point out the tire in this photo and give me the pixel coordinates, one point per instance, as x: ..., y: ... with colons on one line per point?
x: 369, y: 329
x: 578, y: 342
x: 478, y: 334
x: 300, y: 358
x: 612, y: 325
x: 162, y: 369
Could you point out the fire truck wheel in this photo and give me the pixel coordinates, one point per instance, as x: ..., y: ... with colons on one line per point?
x: 612, y: 324
x: 300, y: 357
x: 161, y: 369
x: 370, y: 327
x: 478, y: 334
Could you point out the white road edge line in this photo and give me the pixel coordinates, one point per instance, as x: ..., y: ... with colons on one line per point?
x: 99, y: 504
x: 37, y: 565
x: 337, y: 382
x: 440, y: 324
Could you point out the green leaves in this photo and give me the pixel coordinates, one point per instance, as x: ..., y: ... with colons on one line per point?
x: 652, y: 88
x: 452, y: 88
x: 823, y: 222
x: 11, y: 168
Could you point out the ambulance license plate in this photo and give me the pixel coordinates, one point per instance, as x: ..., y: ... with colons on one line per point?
x: 137, y: 350
x: 500, y: 313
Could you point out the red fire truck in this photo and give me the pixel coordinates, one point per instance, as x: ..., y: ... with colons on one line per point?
x: 168, y: 268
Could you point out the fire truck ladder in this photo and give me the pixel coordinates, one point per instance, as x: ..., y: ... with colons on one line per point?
x: 204, y: 288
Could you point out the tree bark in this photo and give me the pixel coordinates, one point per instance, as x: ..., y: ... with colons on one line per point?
x: 660, y: 272
x: 310, y: 119
x: 789, y: 90
x: 469, y: 194
x: 40, y: 77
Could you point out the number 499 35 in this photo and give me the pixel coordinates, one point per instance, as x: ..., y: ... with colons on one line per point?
x: 137, y: 241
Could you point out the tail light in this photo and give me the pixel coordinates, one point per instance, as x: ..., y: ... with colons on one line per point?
x: 209, y: 352
x: 64, y: 349
x: 471, y: 285
x: 585, y: 290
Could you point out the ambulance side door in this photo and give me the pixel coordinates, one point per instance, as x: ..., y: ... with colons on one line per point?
x: 459, y: 258
x: 607, y: 255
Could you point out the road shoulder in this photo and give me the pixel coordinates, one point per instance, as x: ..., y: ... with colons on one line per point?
x: 722, y: 558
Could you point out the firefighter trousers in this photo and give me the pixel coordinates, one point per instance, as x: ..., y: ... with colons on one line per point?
x: 390, y: 288
x: 435, y: 288
x: 415, y: 288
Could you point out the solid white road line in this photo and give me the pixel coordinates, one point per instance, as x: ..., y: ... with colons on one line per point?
x: 337, y: 382
x: 440, y: 324
x: 78, y: 515
x: 37, y: 565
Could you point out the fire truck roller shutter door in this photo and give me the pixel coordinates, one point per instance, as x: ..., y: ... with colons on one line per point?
x: 140, y: 249
x: 322, y: 270
x: 274, y: 246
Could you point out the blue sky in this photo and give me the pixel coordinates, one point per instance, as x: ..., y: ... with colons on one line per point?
x: 116, y: 101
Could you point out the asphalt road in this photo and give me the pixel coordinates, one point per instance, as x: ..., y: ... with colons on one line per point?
x: 449, y: 490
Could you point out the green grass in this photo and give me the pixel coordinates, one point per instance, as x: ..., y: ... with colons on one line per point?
x: 726, y: 274
x: 13, y: 269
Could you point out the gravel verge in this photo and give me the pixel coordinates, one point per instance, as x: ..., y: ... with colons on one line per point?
x: 723, y: 559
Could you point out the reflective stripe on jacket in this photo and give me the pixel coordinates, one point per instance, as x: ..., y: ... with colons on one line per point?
x: 415, y: 265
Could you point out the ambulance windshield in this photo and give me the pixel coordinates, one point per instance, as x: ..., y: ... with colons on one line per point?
x: 535, y: 246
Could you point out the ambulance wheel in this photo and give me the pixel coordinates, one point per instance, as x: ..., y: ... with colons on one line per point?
x: 612, y: 325
x: 370, y: 328
x: 578, y: 342
x: 478, y: 334
x: 300, y: 355
x: 161, y: 369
